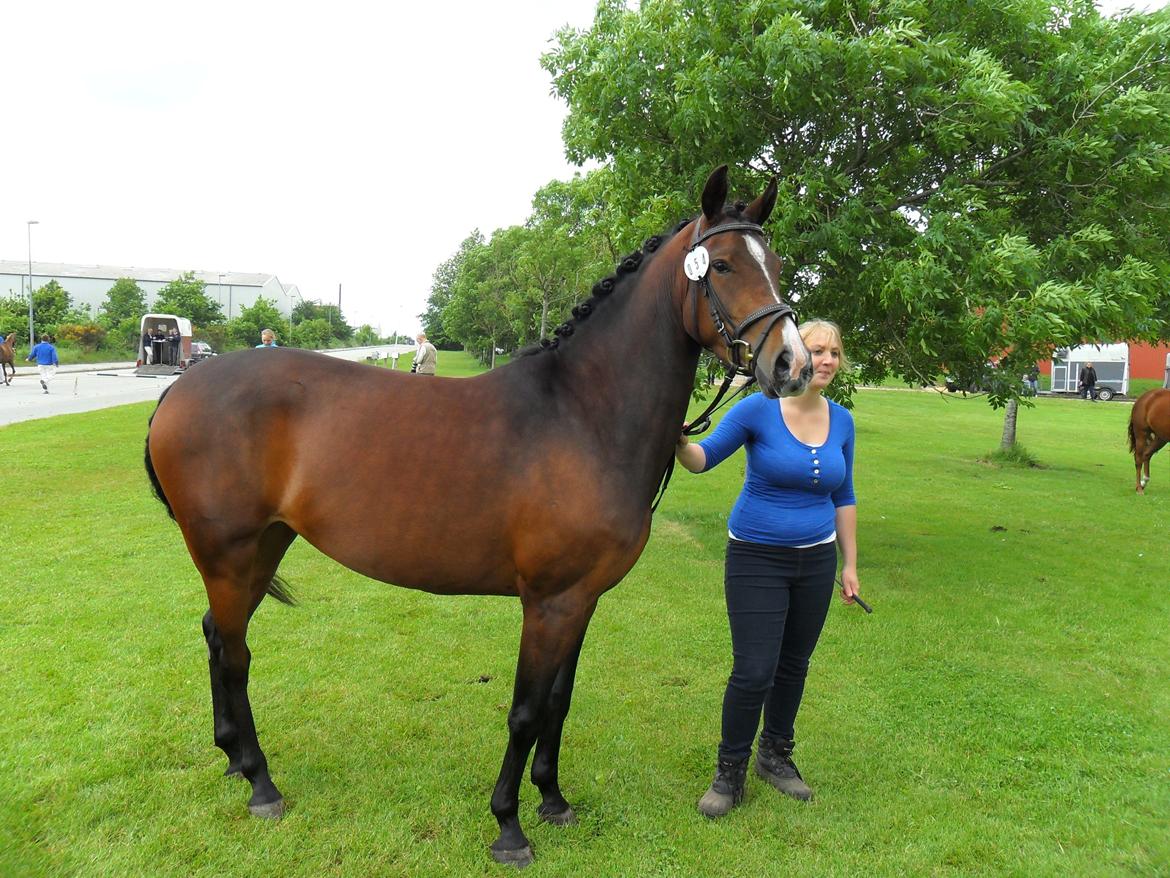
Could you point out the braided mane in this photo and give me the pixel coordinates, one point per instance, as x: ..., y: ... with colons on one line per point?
x: 602, y: 291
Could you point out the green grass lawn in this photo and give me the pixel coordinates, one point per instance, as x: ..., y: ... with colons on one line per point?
x: 1004, y: 711
x: 451, y: 364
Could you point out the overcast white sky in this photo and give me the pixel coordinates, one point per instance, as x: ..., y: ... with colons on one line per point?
x: 344, y: 142
x: 348, y: 143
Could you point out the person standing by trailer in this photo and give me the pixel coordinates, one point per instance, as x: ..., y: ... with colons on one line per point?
x: 796, y: 509
x: 1089, y: 382
x: 45, y: 354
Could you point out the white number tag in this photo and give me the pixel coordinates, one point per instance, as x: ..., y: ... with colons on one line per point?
x: 695, y: 265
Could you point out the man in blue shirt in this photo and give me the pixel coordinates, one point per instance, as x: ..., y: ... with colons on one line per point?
x: 46, y: 356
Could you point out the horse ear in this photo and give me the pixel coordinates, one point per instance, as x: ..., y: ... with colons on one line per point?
x: 715, y: 193
x: 760, y: 209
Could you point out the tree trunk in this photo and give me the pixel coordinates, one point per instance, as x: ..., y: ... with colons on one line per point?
x: 1009, y: 425
x: 543, y: 313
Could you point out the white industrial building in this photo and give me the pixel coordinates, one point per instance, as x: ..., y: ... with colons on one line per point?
x: 88, y: 285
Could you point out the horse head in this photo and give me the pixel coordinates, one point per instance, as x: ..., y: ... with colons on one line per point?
x: 729, y: 266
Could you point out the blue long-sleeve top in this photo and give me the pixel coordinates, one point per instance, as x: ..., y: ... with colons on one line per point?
x: 44, y: 353
x: 791, y: 490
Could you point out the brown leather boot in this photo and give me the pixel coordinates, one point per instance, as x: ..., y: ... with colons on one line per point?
x: 774, y: 764
x: 726, y: 791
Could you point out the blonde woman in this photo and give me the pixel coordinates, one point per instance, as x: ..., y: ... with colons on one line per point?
x: 795, y: 512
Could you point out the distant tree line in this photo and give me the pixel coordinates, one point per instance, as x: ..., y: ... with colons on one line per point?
x: 116, y: 325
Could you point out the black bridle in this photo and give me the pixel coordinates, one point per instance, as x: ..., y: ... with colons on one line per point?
x: 697, y: 263
x: 739, y: 350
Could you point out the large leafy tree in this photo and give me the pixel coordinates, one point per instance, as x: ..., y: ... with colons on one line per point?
x: 124, y: 301
x: 186, y: 296
x: 306, y: 311
x: 962, y: 181
x: 262, y: 314
x: 480, y: 312
x: 14, y: 317
x: 513, y: 289
x: 442, y: 289
x: 53, y: 306
x: 563, y: 250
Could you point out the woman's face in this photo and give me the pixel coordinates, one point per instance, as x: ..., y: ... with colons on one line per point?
x: 826, y: 359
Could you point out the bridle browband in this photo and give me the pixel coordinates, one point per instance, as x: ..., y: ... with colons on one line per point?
x: 739, y: 349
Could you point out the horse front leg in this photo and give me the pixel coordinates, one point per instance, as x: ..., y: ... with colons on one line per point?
x: 545, y: 762
x: 549, y: 636
x: 1153, y: 445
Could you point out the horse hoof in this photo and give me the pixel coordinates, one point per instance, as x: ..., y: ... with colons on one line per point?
x: 269, y: 811
x: 519, y: 858
x: 560, y: 818
x: 233, y: 771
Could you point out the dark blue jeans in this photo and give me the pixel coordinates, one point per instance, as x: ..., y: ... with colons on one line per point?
x: 777, y: 601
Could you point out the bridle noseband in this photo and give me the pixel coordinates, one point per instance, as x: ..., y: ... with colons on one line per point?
x: 697, y: 268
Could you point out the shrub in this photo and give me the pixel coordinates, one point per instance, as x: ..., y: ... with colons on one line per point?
x: 86, y: 336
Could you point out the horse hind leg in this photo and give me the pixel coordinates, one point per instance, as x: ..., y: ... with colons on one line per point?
x: 224, y: 724
x: 233, y: 600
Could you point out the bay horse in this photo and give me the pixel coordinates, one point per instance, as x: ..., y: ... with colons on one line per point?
x: 1149, y: 430
x: 533, y: 480
x: 8, y: 358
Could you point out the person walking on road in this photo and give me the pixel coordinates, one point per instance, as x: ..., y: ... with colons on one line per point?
x: 45, y: 354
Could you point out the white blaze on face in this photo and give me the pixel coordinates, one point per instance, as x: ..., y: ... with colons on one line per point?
x: 794, y: 343
x: 791, y: 334
x: 761, y: 256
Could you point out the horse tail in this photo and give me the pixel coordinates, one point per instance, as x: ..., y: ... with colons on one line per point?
x: 279, y: 589
x: 1132, y: 432
x: 158, y: 491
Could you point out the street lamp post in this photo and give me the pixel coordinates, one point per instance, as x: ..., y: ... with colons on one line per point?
x: 31, y: 339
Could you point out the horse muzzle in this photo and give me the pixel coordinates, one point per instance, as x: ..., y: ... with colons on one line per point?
x: 784, y: 366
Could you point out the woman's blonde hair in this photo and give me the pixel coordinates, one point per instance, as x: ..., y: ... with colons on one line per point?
x: 813, y: 328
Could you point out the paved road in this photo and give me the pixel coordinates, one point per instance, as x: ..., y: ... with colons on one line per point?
x: 75, y: 391
x: 84, y: 388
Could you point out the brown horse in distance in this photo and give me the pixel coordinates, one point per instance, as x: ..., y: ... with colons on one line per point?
x: 8, y: 358
x: 533, y: 480
x: 1149, y: 430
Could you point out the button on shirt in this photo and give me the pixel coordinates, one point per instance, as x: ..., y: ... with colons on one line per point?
x: 791, y: 490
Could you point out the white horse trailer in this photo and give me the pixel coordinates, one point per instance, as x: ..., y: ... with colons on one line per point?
x: 1111, y: 362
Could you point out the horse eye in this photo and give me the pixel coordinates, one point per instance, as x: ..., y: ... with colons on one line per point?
x: 720, y: 266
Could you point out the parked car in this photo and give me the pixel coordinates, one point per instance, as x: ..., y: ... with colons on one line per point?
x: 200, y: 350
